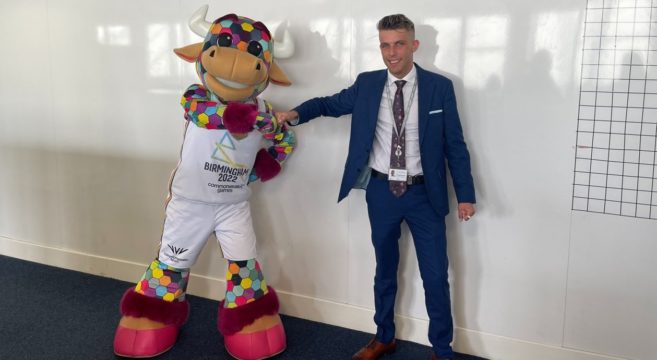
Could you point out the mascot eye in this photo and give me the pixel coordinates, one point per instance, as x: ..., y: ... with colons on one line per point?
x: 254, y: 48
x: 225, y: 40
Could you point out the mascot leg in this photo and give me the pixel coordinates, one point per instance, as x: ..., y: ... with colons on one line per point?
x: 248, y: 317
x: 153, y: 311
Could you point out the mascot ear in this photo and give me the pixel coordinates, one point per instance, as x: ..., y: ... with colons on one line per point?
x: 277, y: 76
x: 189, y: 53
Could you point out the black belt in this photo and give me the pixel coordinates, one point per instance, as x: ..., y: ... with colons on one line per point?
x: 410, y: 180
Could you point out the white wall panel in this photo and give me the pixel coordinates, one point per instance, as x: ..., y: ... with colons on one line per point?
x: 612, y: 286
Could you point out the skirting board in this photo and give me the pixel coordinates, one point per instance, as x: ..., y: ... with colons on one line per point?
x: 467, y: 341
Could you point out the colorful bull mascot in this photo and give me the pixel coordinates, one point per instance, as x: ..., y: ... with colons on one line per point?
x: 222, y: 152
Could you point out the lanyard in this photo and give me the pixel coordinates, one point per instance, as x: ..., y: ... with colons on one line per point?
x: 398, y: 132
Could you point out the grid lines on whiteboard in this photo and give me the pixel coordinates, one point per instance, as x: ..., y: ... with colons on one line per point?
x: 615, y: 162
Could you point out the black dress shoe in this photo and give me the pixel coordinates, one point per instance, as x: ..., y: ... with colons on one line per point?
x: 374, y: 350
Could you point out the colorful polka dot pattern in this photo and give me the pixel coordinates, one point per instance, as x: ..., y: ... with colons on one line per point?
x: 243, y: 31
x: 281, y: 136
x: 200, y: 110
x: 244, y: 283
x: 163, y: 282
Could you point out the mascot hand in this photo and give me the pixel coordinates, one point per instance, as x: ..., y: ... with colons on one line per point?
x: 265, y: 166
x: 239, y: 119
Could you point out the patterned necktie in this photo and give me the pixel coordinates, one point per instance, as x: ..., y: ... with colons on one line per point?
x: 397, y: 152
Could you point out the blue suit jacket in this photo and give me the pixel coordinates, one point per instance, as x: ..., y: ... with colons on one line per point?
x: 441, y: 134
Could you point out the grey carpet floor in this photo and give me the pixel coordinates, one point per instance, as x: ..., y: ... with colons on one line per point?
x: 52, y: 313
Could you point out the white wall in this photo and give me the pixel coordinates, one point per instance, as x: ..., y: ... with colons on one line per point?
x: 90, y: 128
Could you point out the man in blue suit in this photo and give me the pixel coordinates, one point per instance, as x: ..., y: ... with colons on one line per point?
x: 404, y: 126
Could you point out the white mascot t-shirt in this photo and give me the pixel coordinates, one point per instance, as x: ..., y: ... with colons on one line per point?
x: 214, y: 166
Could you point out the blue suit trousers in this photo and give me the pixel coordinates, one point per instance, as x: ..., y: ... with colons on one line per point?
x: 386, y: 213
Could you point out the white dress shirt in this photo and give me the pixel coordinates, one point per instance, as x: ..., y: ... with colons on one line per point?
x: 380, y: 155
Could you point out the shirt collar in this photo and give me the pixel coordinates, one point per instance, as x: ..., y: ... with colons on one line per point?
x: 410, y: 77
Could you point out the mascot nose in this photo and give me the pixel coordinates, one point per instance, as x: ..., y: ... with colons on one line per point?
x: 258, y: 66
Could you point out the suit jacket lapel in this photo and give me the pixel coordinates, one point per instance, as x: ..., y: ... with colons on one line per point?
x: 424, y: 89
x: 376, y: 92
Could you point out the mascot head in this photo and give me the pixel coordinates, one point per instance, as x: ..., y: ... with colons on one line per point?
x: 236, y: 60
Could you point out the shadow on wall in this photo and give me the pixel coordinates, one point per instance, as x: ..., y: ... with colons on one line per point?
x: 286, y: 248
x: 463, y: 264
x: 104, y: 205
x: 494, y: 119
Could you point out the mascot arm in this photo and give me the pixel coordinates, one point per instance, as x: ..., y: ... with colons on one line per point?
x: 200, y: 110
x: 282, y: 141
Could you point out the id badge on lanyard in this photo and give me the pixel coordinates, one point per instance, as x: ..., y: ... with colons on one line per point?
x: 397, y: 174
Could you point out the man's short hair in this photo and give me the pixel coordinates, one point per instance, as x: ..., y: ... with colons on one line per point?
x: 395, y: 22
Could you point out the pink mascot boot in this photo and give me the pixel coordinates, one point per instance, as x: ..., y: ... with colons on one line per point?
x: 149, y: 326
x: 253, y: 331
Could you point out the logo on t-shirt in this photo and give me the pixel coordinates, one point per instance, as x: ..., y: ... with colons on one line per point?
x: 176, y: 252
x: 231, y: 171
x: 220, y: 153
x: 230, y: 174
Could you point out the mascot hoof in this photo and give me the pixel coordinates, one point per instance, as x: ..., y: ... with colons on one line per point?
x: 253, y: 331
x: 266, y: 168
x: 256, y: 345
x: 149, y: 326
x: 143, y: 343
x: 240, y: 118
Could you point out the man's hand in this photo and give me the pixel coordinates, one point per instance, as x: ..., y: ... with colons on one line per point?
x: 286, y: 116
x: 466, y: 211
